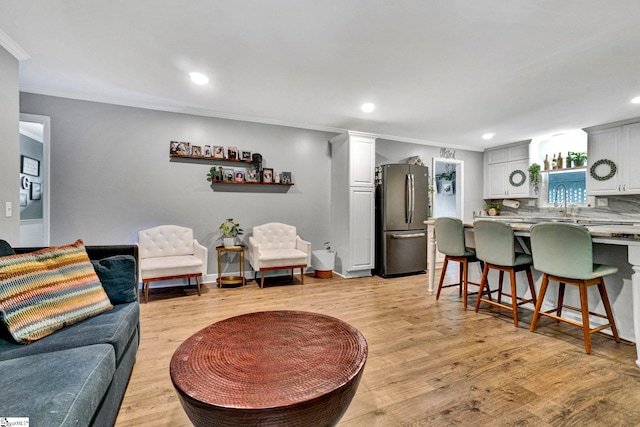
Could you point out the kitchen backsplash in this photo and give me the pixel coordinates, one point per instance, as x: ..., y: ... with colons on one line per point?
x: 618, y: 207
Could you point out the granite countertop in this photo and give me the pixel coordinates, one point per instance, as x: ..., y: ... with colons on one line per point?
x: 618, y: 228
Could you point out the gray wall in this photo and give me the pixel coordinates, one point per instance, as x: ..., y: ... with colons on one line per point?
x: 111, y: 175
x: 9, y: 163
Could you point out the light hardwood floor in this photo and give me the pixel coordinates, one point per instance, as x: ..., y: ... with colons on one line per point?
x: 430, y: 362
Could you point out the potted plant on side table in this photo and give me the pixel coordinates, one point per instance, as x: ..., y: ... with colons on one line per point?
x: 229, y: 230
x: 323, y: 261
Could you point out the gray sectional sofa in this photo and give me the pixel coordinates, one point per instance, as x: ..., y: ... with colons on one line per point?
x: 77, y: 376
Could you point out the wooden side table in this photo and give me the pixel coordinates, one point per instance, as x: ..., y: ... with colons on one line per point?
x: 231, y: 280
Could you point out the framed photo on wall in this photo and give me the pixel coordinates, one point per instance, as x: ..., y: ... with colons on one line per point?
x: 286, y: 177
x: 207, y: 151
x: 218, y: 152
x: 29, y: 166
x: 23, y: 199
x: 246, y: 155
x: 239, y: 175
x: 267, y: 175
x: 227, y: 175
x: 36, y: 191
x: 197, y: 151
x: 232, y: 153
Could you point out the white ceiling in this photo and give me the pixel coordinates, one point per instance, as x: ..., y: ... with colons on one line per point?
x: 440, y: 72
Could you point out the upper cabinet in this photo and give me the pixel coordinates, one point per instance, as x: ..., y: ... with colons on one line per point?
x: 612, y: 151
x: 506, y: 172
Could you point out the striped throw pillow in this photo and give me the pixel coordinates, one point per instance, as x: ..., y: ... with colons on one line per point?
x: 46, y: 290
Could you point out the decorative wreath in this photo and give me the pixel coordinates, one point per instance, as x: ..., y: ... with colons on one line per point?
x: 523, y: 178
x: 612, y: 170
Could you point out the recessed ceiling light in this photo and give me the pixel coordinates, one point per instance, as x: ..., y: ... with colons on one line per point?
x: 199, y: 78
x: 368, y: 107
x: 487, y: 136
x: 636, y: 100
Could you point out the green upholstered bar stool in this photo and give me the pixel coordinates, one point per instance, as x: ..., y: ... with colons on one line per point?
x: 495, y: 246
x: 450, y: 239
x: 564, y: 254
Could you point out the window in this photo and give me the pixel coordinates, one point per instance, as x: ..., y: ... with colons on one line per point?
x: 575, y: 187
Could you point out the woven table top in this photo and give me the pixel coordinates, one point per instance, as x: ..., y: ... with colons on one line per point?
x: 268, y: 359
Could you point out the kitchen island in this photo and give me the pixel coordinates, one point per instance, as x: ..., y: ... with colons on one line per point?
x: 615, y: 242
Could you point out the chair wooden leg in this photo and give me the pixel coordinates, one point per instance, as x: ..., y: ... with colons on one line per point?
x: 483, y: 281
x: 500, y: 281
x: 464, y: 280
x: 607, y: 309
x: 561, y: 289
x: 198, y: 284
x: 442, y: 274
x: 532, y: 288
x: 536, y: 311
x: 302, y: 275
x: 262, y: 279
x: 584, y: 308
x: 145, y: 286
x: 514, y: 298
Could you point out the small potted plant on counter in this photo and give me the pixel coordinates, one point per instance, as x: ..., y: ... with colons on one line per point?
x: 229, y: 230
x: 493, y: 209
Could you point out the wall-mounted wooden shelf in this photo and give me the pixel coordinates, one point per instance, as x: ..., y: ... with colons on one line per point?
x: 210, y: 159
x: 581, y: 168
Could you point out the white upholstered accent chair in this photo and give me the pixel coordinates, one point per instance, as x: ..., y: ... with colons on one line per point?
x: 276, y: 246
x: 170, y: 252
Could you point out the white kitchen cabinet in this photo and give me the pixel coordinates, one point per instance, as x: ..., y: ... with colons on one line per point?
x: 619, y: 143
x: 352, y: 203
x: 499, y: 165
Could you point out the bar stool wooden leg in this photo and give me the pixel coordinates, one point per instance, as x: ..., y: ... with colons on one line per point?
x: 560, y: 300
x: 500, y: 282
x: 532, y: 288
x: 460, y: 276
x: 607, y: 309
x: 484, y: 281
x: 464, y: 281
x: 514, y: 298
x: 442, y: 274
x: 536, y: 311
x: 584, y: 303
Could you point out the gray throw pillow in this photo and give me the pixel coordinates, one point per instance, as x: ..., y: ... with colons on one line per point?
x: 118, y: 277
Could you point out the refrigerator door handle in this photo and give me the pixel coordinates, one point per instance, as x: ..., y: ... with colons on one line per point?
x: 407, y: 199
x: 407, y: 236
x: 413, y: 196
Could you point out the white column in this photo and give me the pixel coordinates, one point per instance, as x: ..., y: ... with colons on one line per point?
x: 431, y: 254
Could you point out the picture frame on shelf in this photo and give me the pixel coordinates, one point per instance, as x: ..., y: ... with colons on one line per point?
x: 196, y: 151
x: 239, y: 175
x: 267, y: 175
x: 252, y: 175
x: 227, y: 175
x: 245, y: 155
x: 29, y: 166
x: 286, y: 178
x: 207, y: 151
x: 232, y: 153
x: 218, y: 152
x: 36, y: 191
x: 179, y: 148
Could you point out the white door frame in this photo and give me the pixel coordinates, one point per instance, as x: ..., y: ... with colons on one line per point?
x: 45, y: 121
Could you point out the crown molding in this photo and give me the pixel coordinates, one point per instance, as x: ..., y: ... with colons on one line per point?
x: 12, y: 47
x: 229, y: 116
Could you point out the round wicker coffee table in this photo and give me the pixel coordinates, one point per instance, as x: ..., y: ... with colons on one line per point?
x: 271, y: 368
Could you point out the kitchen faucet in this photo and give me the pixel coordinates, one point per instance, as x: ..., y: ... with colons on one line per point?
x: 566, y: 196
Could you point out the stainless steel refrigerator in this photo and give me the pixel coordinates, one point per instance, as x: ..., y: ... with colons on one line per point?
x: 402, y: 206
